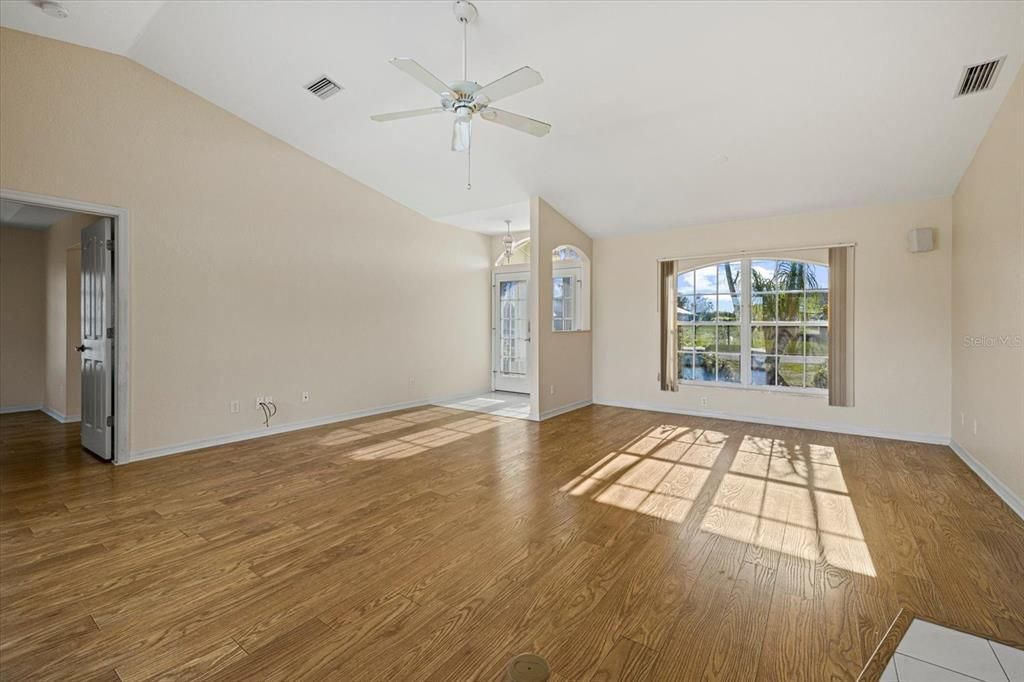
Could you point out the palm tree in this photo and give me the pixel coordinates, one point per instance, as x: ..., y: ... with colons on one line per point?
x: 789, y: 276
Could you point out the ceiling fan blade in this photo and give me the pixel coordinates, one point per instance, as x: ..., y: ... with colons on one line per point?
x: 521, y: 123
x: 394, y: 116
x: 510, y: 84
x: 411, y: 67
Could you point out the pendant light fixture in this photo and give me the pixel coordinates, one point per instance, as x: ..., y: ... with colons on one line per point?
x: 508, y: 241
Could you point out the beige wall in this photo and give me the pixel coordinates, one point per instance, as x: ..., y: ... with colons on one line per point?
x: 564, y: 359
x: 256, y: 270
x: 902, y: 319
x: 59, y: 382
x: 988, y: 299
x: 22, y: 318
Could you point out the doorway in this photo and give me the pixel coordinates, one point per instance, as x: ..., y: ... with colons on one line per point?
x: 92, y: 343
x: 511, y: 308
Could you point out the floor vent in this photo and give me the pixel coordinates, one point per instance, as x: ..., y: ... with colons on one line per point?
x: 979, y: 77
x: 527, y: 668
x: 324, y: 87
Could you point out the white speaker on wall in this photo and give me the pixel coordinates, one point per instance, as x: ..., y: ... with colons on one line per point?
x: 921, y: 239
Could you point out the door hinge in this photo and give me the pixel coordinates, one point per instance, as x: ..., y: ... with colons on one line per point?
x: 110, y: 332
x: 110, y: 245
x: 110, y: 421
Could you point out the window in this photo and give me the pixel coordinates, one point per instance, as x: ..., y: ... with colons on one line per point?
x: 709, y: 320
x: 570, y: 288
x: 562, y: 302
x: 760, y: 322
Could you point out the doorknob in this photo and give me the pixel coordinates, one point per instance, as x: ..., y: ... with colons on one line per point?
x: 80, y: 349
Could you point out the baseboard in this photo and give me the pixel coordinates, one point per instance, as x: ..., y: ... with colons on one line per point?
x: 152, y: 453
x: 59, y: 416
x: 931, y: 438
x: 564, y: 408
x: 14, y: 409
x: 1009, y: 497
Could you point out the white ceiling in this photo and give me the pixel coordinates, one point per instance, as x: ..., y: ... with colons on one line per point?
x: 110, y: 25
x: 492, y: 220
x: 15, y: 214
x: 665, y: 113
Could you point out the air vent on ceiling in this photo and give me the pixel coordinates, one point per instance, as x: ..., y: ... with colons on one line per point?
x: 979, y: 77
x: 324, y: 87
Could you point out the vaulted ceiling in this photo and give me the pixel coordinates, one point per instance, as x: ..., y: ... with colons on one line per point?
x: 664, y: 114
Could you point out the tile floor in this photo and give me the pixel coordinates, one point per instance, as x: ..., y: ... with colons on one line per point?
x: 501, y: 403
x: 932, y: 653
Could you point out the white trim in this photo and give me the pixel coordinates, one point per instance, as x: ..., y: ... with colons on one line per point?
x: 565, y: 408
x: 122, y: 316
x: 14, y: 409
x: 748, y: 253
x: 932, y: 438
x: 764, y: 388
x: 998, y: 487
x: 152, y: 453
x: 60, y: 416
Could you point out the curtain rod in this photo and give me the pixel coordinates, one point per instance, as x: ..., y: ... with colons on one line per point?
x: 744, y: 252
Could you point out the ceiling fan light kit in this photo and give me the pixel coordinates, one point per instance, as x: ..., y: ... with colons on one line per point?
x: 465, y: 98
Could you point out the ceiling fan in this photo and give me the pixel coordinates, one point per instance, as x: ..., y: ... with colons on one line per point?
x: 465, y: 98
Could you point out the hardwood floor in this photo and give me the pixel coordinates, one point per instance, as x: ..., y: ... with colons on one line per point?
x: 433, y: 544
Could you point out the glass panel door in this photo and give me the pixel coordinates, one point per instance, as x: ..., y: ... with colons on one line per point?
x: 511, y: 332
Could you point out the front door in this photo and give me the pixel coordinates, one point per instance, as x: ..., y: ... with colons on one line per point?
x: 511, y: 331
x: 97, y: 347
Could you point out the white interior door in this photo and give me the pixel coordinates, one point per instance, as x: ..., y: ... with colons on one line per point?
x: 97, y: 347
x: 511, y: 331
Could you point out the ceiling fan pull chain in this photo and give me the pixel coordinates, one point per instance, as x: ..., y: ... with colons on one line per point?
x: 469, y: 166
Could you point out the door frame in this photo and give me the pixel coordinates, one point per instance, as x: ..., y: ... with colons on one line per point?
x: 499, y: 271
x: 122, y: 325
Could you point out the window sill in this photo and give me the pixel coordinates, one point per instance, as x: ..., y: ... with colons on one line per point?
x: 802, y: 392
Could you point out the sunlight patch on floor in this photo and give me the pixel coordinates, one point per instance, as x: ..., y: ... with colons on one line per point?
x: 419, y: 441
x: 782, y: 496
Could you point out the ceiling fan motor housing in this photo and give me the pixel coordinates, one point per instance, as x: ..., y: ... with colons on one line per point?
x: 463, y: 98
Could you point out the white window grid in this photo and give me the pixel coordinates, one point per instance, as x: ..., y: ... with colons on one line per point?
x: 736, y: 365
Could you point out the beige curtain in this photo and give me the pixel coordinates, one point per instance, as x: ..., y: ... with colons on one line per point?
x: 840, y: 323
x: 668, y: 374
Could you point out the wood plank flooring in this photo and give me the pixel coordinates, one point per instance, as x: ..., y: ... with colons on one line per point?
x: 434, y: 544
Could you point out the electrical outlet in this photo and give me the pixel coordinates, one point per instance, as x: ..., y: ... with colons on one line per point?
x: 305, y: 396
x: 961, y: 419
x: 975, y: 427
x: 551, y: 389
x: 235, y: 408
x: 703, y: 401
x: 259, y: 399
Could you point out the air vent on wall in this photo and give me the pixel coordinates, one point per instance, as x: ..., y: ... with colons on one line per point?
x: 324, y: 87
x: 979, y: 77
